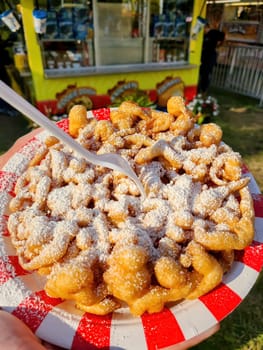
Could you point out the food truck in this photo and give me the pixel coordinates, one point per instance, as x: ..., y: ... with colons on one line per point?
x: 97, y: 53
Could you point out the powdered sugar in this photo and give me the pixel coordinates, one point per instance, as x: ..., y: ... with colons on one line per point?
x: 17, y: 164
x: 52, y: 328
x: 91, y: 212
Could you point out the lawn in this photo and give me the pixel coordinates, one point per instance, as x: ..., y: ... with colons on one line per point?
x: 242, y: 122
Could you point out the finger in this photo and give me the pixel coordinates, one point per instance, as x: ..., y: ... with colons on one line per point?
x: 16, y: 335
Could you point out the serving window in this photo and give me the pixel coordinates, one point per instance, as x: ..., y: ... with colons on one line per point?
x: 110, y: 33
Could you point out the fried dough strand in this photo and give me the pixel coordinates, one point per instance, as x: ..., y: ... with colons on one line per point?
x: 89, y: 233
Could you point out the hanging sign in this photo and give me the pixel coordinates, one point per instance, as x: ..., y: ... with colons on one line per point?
x: 169, y: 87
x: 9, y: 19
x: 74, y: 95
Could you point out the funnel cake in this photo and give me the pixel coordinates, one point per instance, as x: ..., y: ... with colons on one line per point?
x: 87, y: 229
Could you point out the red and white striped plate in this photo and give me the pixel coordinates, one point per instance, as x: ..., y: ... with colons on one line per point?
x: 58, y: 322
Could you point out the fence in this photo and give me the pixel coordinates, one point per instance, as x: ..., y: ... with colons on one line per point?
x: 240, y: 69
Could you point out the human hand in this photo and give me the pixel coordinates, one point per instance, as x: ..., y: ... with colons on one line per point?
x: 15, y: 335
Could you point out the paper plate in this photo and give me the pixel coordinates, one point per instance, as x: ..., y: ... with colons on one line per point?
x: 58, y: 322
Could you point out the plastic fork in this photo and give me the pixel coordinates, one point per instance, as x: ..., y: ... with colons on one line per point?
x: 109, y: 160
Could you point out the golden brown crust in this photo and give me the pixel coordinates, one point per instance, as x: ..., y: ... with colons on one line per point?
x: 77, y: 119
x: 88, y: 231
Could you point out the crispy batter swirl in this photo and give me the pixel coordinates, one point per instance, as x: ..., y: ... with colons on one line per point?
x: 87, y: 229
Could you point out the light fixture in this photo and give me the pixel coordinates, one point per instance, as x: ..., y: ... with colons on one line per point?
x: 222, y: 1
x: 252, y: 3
x: 235, y: 2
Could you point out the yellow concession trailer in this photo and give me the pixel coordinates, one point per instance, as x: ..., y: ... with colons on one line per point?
x: 98, y: 52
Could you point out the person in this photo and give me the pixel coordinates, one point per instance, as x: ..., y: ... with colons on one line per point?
x: 15, y: 335
x: 5, y: 61
x: 213, y: 38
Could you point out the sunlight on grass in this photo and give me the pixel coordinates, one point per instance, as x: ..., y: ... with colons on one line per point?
x: 254, y: 344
